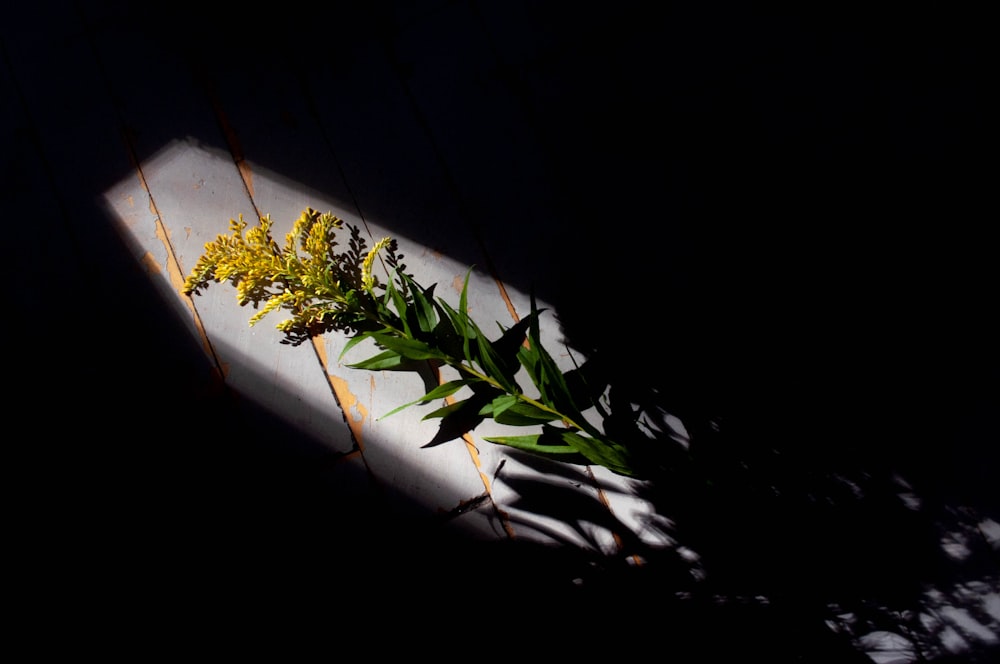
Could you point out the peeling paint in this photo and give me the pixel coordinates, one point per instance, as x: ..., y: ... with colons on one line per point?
x: 354, y: 412
x: 470, y: 446
x: 176, y: 278
x: 173, y: 268
x: 320, y: 349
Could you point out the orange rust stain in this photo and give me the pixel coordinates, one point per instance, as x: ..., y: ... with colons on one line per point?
x: 150, y: 264
x: 457, y: 283
x: 320, y: 349
x: 173, y: 267
x: 354, y: 411
x: 470, y: 445
x: 176, y: 278
x: 130, y: 200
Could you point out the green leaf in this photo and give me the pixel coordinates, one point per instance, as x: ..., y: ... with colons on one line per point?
x: 439, y: 392
x: 530, y: 444
x: 603, y: 453
x: 354, y: 341
x: 528, y: 357
x: 498, y: 405
x: 388, y: 359
x: 491, y: 364
x: 423, y: 303
x: 411, y: 349
x: 548, y: 377
x: 400, y: 303
x: 523, y: 414
x: 459, y: 327
x: 463, y: 308
x: 444, y: 411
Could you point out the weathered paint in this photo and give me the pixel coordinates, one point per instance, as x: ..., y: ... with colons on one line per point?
x: 345, y: 398
x: 355, y: 412
x: 174, y: 273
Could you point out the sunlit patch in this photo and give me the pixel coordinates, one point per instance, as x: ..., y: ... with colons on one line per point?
x: 991, y: 531
x: 888, y: 648
x: 955, y: 546
x: 192, y: 193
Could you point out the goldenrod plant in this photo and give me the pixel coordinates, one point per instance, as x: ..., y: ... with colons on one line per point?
x: 329, y: 287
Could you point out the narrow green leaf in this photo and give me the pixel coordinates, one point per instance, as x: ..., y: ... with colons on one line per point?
x: 439, y: 392
x: 463, y: 308
x: 530, y: 444
x: 423, y: 304
x: 528, y: 357
x: 458, y: 325
x: 498, y: 405
x: 354, y: 341
x: 491, y: 363
x: 444, y: 411
x: 611, y: 456
x: 399, y: 301
x: 411, y: 349
x: 523, y: 414
x: 387, y: 359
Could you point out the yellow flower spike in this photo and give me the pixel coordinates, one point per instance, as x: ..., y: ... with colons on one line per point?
x: 367, y: 279
x: 272, y: 304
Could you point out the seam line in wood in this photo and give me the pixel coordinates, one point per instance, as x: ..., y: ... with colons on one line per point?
x: 175, y: 273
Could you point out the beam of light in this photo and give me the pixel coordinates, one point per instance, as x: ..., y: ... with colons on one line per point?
x: 184, y: 196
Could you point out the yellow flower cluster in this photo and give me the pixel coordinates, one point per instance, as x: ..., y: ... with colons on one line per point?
x: 251, y: 261
x: 320, y: 288
x: 367, y: 279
